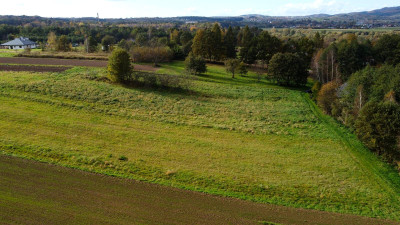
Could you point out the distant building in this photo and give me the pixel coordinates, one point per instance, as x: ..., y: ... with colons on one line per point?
x: 19, y: 43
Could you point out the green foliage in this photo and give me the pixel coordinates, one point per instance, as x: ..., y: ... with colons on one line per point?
x: 387, y: 49
x: 91, y: 44
x: 63, y: 44
x: 352, y: 56
x: 376, y: 83
x: 127, y: 45
x: 230, y: 44
x: 200, y: 135
x: 232, y: 66
x: 288, y: 69
x: 318, y: 40
x: 164, y: 81
x: 378, y: 126
x: 119, y: 66
x: 327, y: 96
x: 185, y: 38
x: 153, y: 54
x: 242, y: 69
x: 199, y: 46
x: 216, y: 43
x: 107, y: 43
x: 123, y: 158
x: 208, y: 43
x: 267, y: 46
x: 248, y: 50
x: 315, y: 89
x: 195, y: 64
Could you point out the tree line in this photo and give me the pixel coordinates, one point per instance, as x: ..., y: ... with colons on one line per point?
x: 358, y: 82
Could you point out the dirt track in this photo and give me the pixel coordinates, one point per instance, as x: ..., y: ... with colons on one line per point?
x: 64, y: 62
x: 33, y: 68
x: 36, y: 193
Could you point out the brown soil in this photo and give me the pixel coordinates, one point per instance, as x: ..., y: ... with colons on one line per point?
x: 65, y: 62
x: 33, y: 68
x: 37, y: 193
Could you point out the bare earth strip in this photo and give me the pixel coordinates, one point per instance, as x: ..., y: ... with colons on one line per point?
x: 33, y: 68
x: 37, y: 193
x: 65, y: 62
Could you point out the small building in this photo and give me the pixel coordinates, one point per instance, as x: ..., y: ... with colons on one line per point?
x: 19, y: 43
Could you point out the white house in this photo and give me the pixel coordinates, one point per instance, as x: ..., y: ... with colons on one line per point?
x: 20, y: 43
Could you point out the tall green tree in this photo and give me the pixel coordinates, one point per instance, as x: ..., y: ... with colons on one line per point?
x: 248, y: 50
x: 230, y: 44
x: 387, y: 49
x: 352, y: 56
x: 318, y: 40
x: 378, y: 126
x: 199, y: 46
x: 216, y: 42
x: 267, y: 46
x: 288, y: 69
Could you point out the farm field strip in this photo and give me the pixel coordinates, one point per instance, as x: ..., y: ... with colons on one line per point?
x: 104, y: 200
x: 233, y: 138
x: 65, y: 62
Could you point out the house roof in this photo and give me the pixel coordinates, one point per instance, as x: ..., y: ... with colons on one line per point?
x: 19, y: 41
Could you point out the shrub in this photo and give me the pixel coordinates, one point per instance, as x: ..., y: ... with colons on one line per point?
x: 148, y: 79
x: 195, y: 64
x: 315, y: 89
x: 123, y: 158
x: 152, y: 54
x: 378, y: 126
x: 242, y: 69
x: 327, y: 96
x: 119, y: 66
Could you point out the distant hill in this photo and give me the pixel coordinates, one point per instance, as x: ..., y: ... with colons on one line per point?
x: 385, y: 17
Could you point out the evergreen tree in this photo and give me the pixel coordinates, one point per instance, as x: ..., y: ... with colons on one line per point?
x: 230, y: 44
x: 248, y: 51
x: 267, y: 46
x: 216, y: 42
x: 199, y: 47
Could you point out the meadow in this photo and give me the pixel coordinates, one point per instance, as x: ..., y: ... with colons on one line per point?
x: 239, y: 137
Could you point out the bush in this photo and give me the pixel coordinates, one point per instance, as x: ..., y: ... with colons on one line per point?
x: 123, y: 158
x: 119, y: 66
x: 378, y: 126
x: 195, y: 64
x: 288, y: 69
x: 242, y: 69
x: 327, y: 96
x: 152, y: 54
x: 147, y: 79
x: 315, y: 89
x: 63, y: 44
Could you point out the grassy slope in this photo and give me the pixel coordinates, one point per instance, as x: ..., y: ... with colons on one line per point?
x: 231, y: 137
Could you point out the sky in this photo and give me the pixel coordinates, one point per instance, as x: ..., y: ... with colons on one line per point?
x: 172, y: 8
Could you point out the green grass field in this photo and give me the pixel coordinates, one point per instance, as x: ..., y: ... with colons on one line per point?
x: 14, y: 52
x: 232, y: 137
